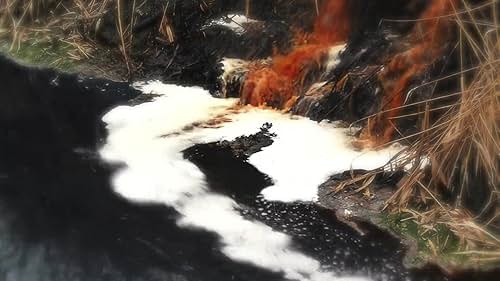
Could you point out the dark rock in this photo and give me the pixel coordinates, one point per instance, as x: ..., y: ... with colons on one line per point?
x: 244, y: 146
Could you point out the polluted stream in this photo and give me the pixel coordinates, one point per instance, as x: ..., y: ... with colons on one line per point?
x: 149, y: 139
x: 102, y: 181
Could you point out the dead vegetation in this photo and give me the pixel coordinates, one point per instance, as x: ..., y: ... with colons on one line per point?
x: 454, y: 157
x: 73, y: 22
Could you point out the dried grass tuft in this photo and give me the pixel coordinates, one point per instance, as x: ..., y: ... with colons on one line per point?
x: 71, y: 21
x: 461, y: 147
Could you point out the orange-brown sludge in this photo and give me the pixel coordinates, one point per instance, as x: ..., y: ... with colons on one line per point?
x: 427, y: 40
x: 277, y: 85
x: 264, y: 86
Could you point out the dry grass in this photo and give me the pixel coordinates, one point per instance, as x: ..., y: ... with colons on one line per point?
x: 247, y: 8
x: 126, y: 34
x: 462, y: 146
x: 166, y: 29
x: 73, y: 22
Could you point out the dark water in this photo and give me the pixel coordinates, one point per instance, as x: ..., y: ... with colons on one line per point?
x: 59, y: 219
x: 315, y: 230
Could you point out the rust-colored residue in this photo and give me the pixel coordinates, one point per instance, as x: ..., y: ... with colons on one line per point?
x: 278, y: 85
x: 333, y: 24
x: 215, y: 122
x: 427, y: 40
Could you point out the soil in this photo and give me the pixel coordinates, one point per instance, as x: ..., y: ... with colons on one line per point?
x: 357, y: 208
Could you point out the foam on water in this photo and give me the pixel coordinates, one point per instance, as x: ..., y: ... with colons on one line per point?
x: 149, y: 139
x: 234, y: 22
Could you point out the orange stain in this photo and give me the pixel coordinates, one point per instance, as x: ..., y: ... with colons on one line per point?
x: 264, y: 86
x: 427, y: 38
x: 279, y: 84
x: 333, y: 24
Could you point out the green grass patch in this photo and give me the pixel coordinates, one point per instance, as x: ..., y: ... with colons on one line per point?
x: 50, y: 53
x: 437, y: 244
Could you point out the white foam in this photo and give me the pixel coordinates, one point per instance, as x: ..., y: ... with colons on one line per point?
x: 149, y: 139
x: 304, y: 153
x: 233, y: 69
x: 334, y: 57
x: 235, y: 22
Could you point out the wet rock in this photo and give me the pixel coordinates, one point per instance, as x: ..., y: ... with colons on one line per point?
x: 352, y: 204
x: 312, y: 98
x: 245, y: 146
x: 354, y: 96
